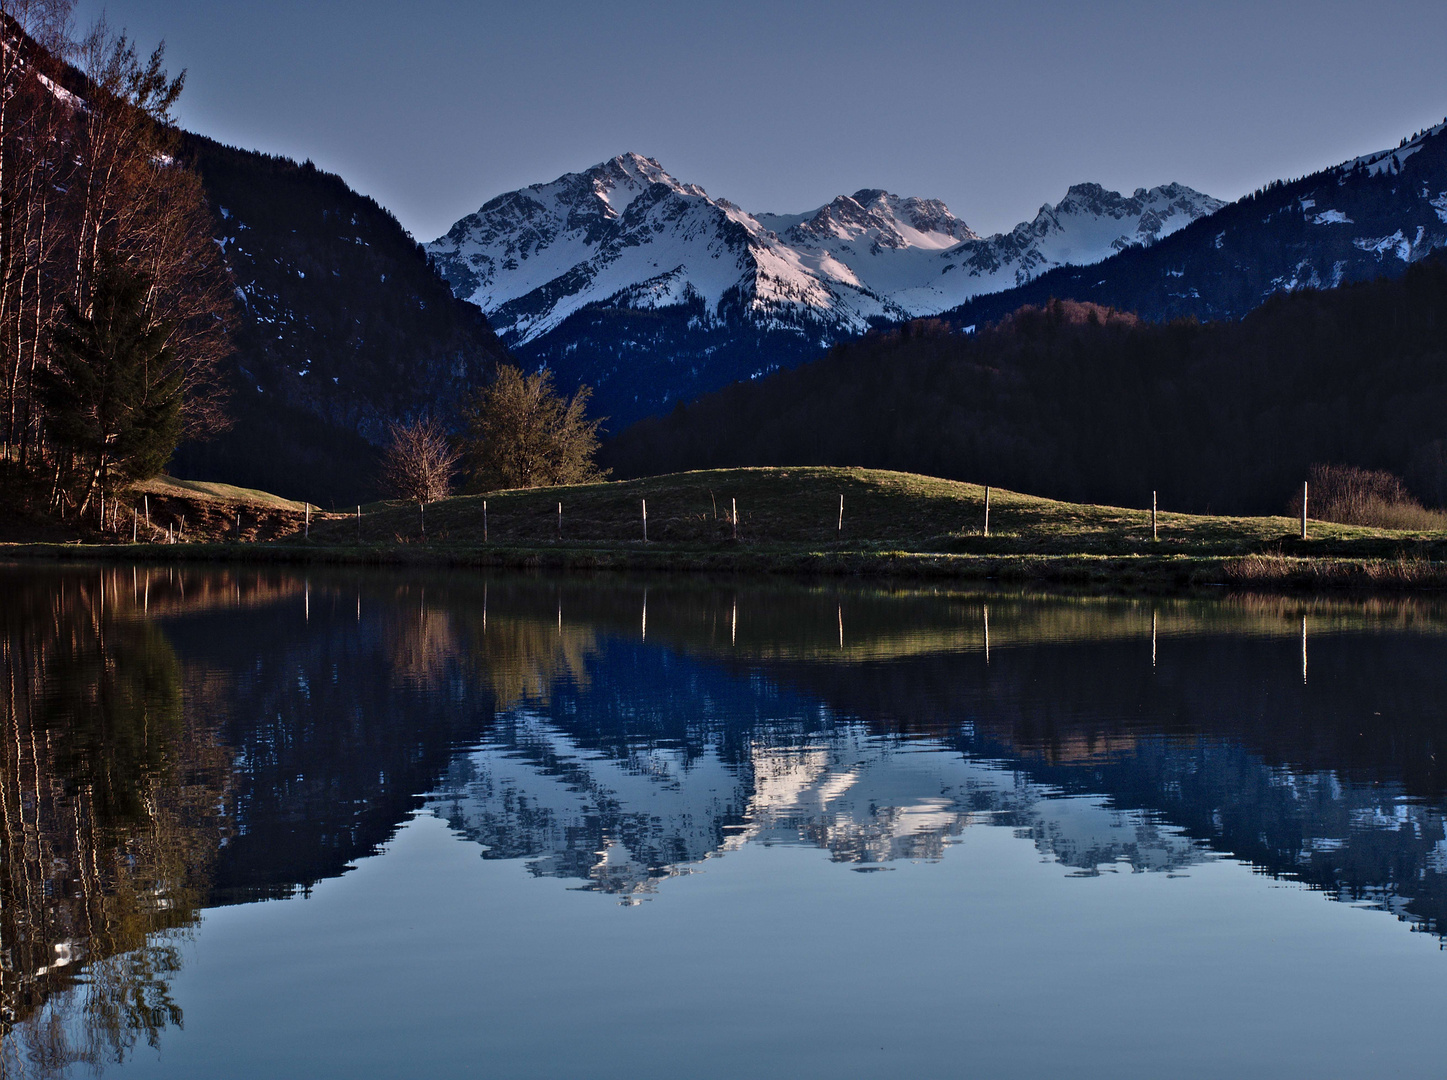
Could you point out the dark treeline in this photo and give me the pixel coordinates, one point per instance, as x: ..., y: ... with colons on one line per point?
x: 1079, y: 402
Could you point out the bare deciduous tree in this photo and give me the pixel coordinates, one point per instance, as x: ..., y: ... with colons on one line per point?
x: 523, y: 434
x: 418, y: 463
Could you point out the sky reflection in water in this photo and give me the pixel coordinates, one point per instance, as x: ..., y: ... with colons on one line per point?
x: 846, y: 828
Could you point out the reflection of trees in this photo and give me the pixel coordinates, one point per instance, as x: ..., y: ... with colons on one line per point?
x: 520, y: 652
x: 110, y: 798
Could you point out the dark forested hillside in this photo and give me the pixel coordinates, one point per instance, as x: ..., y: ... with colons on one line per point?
x: 641, y: 361
x: 343, y: 326
x: 1080, y: 402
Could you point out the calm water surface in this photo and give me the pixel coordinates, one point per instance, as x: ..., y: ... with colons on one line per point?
x: 280, y: 824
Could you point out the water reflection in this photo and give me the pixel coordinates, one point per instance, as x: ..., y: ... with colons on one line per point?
x: 111, y: 812
x: 178, y: 739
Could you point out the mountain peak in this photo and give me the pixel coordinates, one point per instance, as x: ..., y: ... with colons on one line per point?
x: 876, y: 219
x: 637, y: 166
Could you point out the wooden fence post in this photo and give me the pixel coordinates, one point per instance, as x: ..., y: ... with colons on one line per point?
x: 359, y: 523
x: 135, y: 524
x: 484, y: 521
x: 987, y: 509
x: 1303, y: 509
x: 645, y: 521
x: 560, y: 521
x: 734, y: 505
x: 308, y: 521
x: 840, y: 530
x: 1154, y: 534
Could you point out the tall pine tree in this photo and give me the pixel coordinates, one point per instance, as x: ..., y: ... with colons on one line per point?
x: 113, y: 393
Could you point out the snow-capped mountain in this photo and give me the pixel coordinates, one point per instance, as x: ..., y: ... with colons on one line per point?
x: 628, y: 234
x: 560, y: 268
x: 1368, y: 217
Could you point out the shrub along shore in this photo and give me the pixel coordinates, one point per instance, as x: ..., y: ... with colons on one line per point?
x: 830, y: 521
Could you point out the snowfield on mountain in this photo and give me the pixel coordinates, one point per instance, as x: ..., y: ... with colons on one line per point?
x: 627, y: 234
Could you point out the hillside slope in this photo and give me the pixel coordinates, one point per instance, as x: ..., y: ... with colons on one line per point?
x: 343, y: 327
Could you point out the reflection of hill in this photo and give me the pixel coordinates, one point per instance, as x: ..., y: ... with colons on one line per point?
x: 336, y: 720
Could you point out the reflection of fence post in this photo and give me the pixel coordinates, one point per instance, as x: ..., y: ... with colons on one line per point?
x: 1303, y: 509
x: 987, y: 509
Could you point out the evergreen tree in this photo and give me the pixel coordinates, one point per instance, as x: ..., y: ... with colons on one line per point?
x: 113, y: 389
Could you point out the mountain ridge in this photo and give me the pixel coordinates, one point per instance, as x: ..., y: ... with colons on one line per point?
x: 627, y: 244
x: 1369, y: 216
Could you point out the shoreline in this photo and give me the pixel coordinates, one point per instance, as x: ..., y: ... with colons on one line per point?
x: 1127, y: 572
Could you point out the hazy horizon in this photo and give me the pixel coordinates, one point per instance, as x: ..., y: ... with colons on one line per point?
x: 779, y: 108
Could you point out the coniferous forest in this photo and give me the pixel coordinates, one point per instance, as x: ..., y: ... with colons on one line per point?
x: 1079, y: 402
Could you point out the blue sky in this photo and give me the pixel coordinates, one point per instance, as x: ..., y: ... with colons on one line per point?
x: 434, y: 106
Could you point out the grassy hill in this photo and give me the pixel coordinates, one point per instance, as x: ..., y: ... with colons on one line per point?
x: 794, y: 508
x: 788, y: 519
x: 788, y: 522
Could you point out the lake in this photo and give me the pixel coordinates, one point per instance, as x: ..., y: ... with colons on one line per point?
x: 362, y: 823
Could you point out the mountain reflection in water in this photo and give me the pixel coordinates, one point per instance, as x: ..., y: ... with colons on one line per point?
x: 179, y: 739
